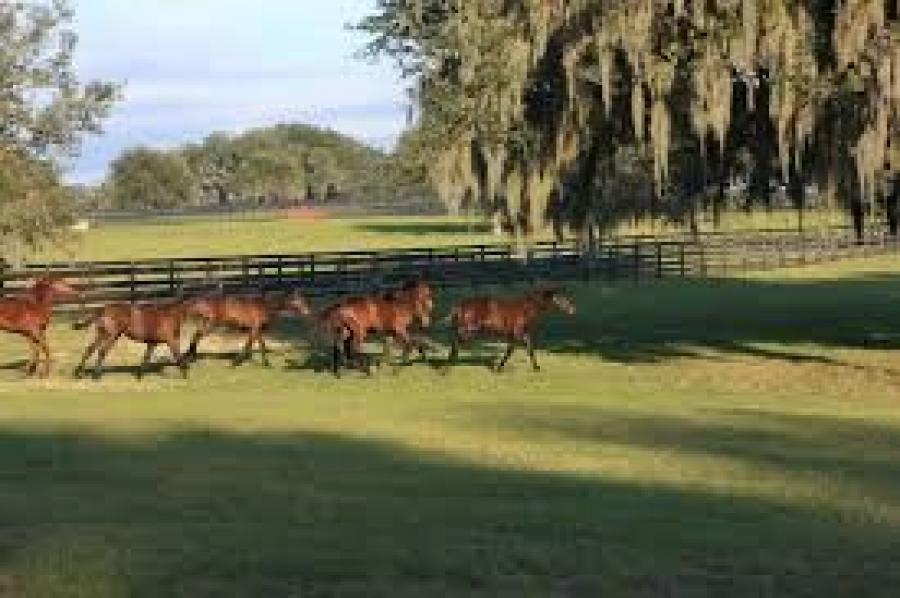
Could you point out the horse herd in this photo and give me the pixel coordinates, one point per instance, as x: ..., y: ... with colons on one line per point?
x: 400, y: 315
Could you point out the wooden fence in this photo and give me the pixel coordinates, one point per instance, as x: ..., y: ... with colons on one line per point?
x: 336, y: 273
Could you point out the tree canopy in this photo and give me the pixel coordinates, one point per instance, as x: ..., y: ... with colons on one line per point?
x: 149, y: 178
x: 45, y: 113
x: 278, y: 165
x: 540, y: 106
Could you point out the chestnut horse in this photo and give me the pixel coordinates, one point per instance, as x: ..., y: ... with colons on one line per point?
x: 28, y: 315
x: 150, y: 324
x: 354, y: 319
x: 510, y: 319
x: 253, y: 314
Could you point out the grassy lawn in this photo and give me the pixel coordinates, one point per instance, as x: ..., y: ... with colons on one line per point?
x: 206, y: 236
x: 736, y: 438
x: 271, y: 233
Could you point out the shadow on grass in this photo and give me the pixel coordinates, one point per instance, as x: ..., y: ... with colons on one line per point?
x: 791, y: 321
x: 18, y: 365
x: 425, y: 228
x: 741, y: 318
x: 207, y: 513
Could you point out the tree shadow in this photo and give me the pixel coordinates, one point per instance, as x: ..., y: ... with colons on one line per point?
x: 744, y: 318
x: 14, y: 366
x: 845, y: 450
x: 208, y: 513
x: 424, y: 228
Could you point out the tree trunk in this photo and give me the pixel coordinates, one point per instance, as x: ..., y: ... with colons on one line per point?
x: 891, y: 201
x: 858, y: 216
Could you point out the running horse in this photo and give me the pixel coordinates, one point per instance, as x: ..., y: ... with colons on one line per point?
x: 29, y: 315
x: 252, y: 314
x: 150, y: 324
x: 393, y: 313
x: 510, y: 319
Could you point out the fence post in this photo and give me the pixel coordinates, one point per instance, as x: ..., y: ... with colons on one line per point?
x: 659, y: 260
x: 612, y: 262
x: 172, y: 277
x: 280, y: 270
x: 637, y: 260
x: 681, y: 265
x: 132, y: 283
x: 702, y: 246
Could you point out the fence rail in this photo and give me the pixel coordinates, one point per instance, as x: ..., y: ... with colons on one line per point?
x: 335, y: 273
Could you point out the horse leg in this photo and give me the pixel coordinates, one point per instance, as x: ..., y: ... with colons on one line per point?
x: 93, y: 346
x: 148, y: 355
x: 509, y: 351
x: 263, y: 349
x: 180, y: 360
x: 201, y: 332
x: 529, y: 345
x: 408, y: 345
x: 31, y: 366
x: 454, y: 348
x: 355, y: 343
x: 387, y: 354
x: 44, y: 347
x: 102, y: 353
x: 246, y: 353
x: 336, y: 358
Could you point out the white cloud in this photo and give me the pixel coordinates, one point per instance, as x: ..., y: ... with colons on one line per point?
x: 194, y: 67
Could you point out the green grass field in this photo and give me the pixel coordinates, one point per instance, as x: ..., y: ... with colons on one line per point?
x: 733, y: 438
x: 271, y: 233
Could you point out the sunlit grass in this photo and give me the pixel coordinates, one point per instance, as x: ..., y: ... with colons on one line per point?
x: 273, y: 233
x: 703, y: 438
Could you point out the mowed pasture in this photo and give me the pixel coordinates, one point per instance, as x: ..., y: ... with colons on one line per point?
x: 280, y: 233
x: 686, y: 438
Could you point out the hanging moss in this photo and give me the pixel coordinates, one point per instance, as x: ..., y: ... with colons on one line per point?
x: 524, y: 83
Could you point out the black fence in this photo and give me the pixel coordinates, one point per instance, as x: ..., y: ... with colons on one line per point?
x: 338, y: 273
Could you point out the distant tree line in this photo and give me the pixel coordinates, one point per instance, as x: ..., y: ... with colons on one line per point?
x: 283, y: 165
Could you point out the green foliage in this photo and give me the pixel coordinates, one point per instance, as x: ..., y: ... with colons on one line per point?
x: 521, y: 102
x: 44, y: 113
x: 293, y: 163
x: 33, y: 205
x: 145, y: 178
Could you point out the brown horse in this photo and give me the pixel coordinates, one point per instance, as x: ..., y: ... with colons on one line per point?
x: 150, y: 324
x: 253, y: 314
x: 335, y: 330
x: 392, y: 314
x: 510, y: 319
x: 29, y: 315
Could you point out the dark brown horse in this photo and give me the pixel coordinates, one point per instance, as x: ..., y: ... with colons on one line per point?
x: 252, y: 314
x: 510, y: 319
x: 28, y: 315
x: 393, y: 313
x: 150, y: 324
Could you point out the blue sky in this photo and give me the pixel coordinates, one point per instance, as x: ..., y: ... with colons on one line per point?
x: 191, y: 67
